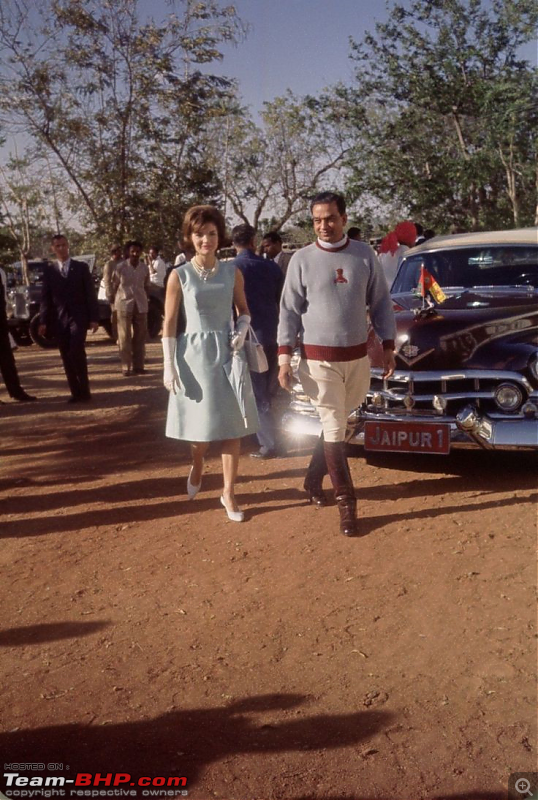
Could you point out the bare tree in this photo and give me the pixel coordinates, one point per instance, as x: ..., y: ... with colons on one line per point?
x: 273, y: 169
x: 115, y: 101
x: 24, y: 195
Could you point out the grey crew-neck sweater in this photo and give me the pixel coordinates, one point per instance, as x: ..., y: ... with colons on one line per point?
x: 327, y: 295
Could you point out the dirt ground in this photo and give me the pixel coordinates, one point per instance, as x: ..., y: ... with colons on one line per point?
x: 144, y: 633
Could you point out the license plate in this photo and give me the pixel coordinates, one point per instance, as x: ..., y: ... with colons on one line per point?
x: 407, y: 437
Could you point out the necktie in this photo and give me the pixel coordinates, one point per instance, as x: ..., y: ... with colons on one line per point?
x: 65, y: 268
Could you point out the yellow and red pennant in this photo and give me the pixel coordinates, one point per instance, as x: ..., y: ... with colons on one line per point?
x: 427, y: 283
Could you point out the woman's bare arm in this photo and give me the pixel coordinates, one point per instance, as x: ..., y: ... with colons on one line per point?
x: 240, y: 300
x: 171, y: 305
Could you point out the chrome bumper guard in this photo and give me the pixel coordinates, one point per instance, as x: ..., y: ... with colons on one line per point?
x: 470, y: 428
x: 497, y: 434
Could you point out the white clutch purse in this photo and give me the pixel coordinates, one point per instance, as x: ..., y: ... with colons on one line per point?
x: 256, y: 358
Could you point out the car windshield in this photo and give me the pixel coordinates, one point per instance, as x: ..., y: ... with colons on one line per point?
x: 467, y: 267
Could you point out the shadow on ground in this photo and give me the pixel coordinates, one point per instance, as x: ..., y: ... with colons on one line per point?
x: 184, y: 742
x: 48, y: 632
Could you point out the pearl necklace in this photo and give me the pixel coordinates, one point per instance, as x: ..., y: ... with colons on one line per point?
x: 203, y: 273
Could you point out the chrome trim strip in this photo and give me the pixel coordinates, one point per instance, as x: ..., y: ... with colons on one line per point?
x: 409, y: 376
x: 448, y: 396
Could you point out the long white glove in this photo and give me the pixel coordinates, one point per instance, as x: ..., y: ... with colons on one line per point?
x: 241, y: 329
x: 170, y: 377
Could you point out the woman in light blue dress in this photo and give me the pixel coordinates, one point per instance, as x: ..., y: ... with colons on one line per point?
x: 205, y: 369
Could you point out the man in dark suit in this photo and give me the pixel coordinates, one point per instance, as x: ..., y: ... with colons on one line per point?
x: 272, y: 248
x: 68, y: 308
x: 263, y: 287
x: 8, y: 368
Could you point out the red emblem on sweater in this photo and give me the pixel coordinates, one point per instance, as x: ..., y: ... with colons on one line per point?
x: 340, y: 276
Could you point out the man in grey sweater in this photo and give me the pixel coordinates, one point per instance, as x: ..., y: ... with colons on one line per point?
x: 330, y: 287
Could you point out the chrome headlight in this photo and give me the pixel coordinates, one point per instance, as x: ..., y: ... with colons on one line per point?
x: 378, y: 400
x: 508, y: 397
x: 439, y: 402
x: 530, y: 410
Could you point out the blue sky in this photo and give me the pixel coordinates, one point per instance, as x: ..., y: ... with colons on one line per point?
x: 298, y: 44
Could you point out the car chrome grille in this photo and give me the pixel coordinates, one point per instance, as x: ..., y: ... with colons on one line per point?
x: 457, y: 387
x: 21, y: 309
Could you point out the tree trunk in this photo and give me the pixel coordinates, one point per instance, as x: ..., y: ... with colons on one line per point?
x: 473, y: 208
x: 511, y: 184
x: 24, y: 268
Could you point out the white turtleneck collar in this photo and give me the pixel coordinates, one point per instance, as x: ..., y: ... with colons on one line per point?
x: 332, y: 245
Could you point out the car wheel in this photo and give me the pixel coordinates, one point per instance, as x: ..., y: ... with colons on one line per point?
x: 46, y: 342
x: 22, y: 336
x: 155, y: 320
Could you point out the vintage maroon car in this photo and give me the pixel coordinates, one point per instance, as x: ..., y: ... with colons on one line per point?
x: 466, y: 364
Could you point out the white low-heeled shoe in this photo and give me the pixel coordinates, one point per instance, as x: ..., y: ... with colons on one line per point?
x: 192, y: 490
x: 235, y: 516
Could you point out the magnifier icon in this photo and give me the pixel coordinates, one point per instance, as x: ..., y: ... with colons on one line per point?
x: 523, y: 786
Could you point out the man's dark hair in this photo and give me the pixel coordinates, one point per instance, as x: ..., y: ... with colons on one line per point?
x: 243, y: 235
x: 420, y: 229
x: 273, y: 236
x: 329, y: 197
x: 155, y: 247
x: 133, y: 243
x: 58, y: 236
x: 354, y: 233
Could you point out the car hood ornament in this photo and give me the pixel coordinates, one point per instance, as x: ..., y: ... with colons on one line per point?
x: 411, y: 353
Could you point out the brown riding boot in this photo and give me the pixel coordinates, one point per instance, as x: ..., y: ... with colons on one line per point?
x: 344, y: 493
x: 317, y: 469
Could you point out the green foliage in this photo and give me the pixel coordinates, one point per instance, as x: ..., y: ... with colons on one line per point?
x: 133, y: 127
x: 119, y: 104
x: 452, y: 113
x: 9, y: 251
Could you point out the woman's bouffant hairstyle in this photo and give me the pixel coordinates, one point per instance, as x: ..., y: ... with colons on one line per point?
x: 198, y: 216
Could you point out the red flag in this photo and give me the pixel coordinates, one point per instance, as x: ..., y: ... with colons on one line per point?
x: 427, y: 283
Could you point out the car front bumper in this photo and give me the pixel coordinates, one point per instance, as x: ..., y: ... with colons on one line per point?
x: 469, y: 429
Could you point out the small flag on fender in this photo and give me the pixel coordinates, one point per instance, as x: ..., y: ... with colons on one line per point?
x: 427, y: 283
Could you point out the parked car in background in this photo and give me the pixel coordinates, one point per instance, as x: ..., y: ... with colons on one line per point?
x: 24, y: 301
x: 466, y: 365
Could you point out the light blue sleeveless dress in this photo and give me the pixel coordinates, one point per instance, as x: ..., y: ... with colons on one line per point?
x: 216, y: 400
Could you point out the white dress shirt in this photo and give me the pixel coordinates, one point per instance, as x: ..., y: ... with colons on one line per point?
x: 391, y: 261
x: 157, y: 271
x: 63, y: 266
